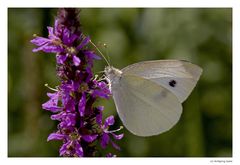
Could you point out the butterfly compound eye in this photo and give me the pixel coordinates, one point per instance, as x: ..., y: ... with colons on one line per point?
x: 172, y: 83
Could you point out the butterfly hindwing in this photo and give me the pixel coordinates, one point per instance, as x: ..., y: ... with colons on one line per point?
x: 145, y: 107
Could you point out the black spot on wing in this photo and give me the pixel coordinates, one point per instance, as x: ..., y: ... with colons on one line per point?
x: 172, y: 83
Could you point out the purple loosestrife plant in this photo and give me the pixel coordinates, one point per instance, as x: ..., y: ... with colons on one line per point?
x: 72, y: 103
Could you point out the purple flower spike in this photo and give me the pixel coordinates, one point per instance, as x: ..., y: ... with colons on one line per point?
x: 73, y: 102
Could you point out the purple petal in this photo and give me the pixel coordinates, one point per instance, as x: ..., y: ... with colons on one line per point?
x: 49, y: 105
x: 89, y: 138
x: 61, y: 58
x: 69, y: 104
x: 100, y: 108
x: 70, y: 119
x: 78, y: 149
x: 52, y: 49
x: 68, y: 101
x: 117, y: 137
x: 82, y: 104
x: 66, y: 87
x: 115, y: 145
x: 57, y: 28
x: 90, y: 74
x: 52, y: 104
x: 75, y: 85
x: 64, y: 148
x: 67, y: 119
x: 109, y: 121
x: 53, y: 95
x: 91, y: 55
x: 40, y: 48
x: 49, y: 49
x: 83, y: 43
x: 66, y: 34
x: 99, y: 118
x: 102, y: 85
x: 72, y: 38
x: 104, y: 140
x: 103, y: 90
x: 51, y: 35
x: 56, y: 136
x: 100, y: 93
x: 39, y: 41
x: 66, y: 125
x: 68, y: 38
x: 76, y: 60
x: 58, y: 116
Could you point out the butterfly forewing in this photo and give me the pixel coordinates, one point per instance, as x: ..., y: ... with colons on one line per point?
x: 179, y: 77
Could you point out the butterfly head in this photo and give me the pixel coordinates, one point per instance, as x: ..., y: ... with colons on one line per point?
x: 112, y: 74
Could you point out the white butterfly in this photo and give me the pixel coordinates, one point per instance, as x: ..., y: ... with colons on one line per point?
x: 148, y: 95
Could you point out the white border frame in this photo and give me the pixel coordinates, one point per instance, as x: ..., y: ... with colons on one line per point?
x: 235, y: 4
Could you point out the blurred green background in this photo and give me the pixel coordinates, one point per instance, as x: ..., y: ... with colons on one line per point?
x: 202, y: 36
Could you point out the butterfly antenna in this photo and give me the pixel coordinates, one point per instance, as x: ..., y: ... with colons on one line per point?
x: 106, y: 48
x: 100, y: 53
